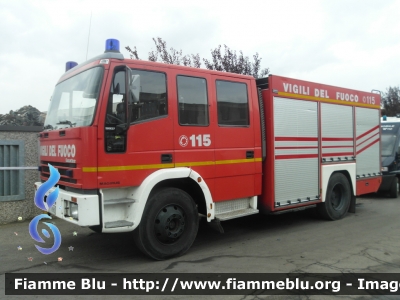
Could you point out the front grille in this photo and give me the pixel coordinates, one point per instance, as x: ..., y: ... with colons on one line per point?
x: 58, y: 164
x: 70, y: 180
x: 61, y: 167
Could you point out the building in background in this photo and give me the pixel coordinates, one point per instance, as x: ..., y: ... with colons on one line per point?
x: 19, y: 160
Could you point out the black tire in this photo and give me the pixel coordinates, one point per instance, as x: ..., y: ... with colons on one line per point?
x: 338, y: 196
x: 394, y: 192
x: 168, y: 226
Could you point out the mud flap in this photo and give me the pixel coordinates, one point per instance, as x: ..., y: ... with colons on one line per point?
x: 216, y: 225
x: 352, y: 207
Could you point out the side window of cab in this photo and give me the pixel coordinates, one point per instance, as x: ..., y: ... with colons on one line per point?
x: 192, y: 101
x: 232, y: 103
x: 151, y: 101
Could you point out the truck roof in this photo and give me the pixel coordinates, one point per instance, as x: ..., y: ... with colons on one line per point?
x: 120, y: 58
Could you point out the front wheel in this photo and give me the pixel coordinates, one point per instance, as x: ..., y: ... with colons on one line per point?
x: 338, y: 196
x: 168, y: 226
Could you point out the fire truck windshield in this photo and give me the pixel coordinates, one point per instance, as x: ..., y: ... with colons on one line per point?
x: 74, y: 100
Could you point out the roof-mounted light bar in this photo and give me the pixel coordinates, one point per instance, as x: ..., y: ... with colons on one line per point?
x: 111, y: 51
x: 112, y: 45
x: 69, y: 65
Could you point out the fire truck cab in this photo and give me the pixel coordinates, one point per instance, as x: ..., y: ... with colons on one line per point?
x: 149, y: 147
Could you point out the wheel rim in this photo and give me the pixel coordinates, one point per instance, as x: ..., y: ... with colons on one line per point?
x: 337, y: 197
x: 169, y: 224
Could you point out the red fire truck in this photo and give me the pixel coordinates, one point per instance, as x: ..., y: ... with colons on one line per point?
x: 149, y: 147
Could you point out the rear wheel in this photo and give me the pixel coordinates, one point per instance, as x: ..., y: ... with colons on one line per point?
x: 169, y: 224
x: 338, y: 196
x: 393, y: 188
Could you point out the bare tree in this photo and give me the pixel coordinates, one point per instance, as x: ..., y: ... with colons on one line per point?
x: 229, y: 61
x: 133, y: 53
x: 172, y: 56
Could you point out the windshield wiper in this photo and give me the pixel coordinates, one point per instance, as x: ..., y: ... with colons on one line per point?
x: 66, y: 122
x: 48, y: 126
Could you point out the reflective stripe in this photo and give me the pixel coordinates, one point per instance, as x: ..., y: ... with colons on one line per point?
x: 237, y: 161
x: 195, y: 163
x: 328, y: 100
x: 87, y: 169
x: 164, y: 166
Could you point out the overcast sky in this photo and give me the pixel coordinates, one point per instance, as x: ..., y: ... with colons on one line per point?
x: 348, y: 43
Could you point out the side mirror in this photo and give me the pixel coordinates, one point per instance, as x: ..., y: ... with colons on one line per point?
x: 128, y: 82
x: 134, y: 88
x: 132, y: 82
x: 132, y: 92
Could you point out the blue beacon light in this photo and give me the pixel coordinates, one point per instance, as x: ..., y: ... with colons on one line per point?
x: 112, y: 45
x: 69, y: 65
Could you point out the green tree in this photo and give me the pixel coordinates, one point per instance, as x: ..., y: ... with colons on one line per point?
x: 391, y: 102
x: 227, y: 60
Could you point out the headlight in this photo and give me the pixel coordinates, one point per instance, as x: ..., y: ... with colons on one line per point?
x: 73, y: 210
x: 384, y: 169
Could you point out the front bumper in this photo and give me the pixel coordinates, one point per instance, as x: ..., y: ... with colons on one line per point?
x: 79, y: 209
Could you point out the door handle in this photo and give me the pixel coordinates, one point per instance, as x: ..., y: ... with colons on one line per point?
x: 249, y: 154
x: 166, y: 158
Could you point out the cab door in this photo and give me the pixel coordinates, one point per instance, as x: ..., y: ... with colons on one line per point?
x: 194, y: 125
x: 234, y: 139
x: 126, y: 158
